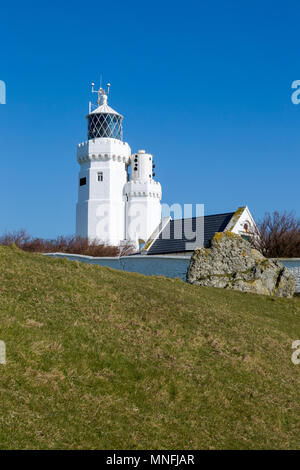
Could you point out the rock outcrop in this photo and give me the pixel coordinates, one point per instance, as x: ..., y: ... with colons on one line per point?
x: 231, y: 263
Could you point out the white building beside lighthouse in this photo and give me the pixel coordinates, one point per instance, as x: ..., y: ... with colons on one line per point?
x: 118, y: 199
x: 142, y: 195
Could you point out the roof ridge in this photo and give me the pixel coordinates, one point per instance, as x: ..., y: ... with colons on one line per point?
x: 207, y: 215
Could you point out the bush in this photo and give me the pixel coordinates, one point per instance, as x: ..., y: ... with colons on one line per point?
x: 71, y: 244
x: 278, y: 235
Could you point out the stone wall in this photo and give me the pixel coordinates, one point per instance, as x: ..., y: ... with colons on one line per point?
x: 168, y: 266
x: 165, y: 265
x: 294, y: 265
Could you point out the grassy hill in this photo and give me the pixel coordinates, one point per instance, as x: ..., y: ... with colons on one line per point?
x: 98, y: 358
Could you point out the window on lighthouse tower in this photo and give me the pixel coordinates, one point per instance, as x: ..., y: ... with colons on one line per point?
x: 100, y: 176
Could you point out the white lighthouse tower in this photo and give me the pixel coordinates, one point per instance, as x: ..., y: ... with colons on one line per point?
x: 111, y: 208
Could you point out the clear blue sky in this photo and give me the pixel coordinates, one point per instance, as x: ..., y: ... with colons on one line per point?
x: 204, y: 86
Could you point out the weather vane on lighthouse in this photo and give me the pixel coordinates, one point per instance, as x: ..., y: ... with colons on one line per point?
x: 101, y: 92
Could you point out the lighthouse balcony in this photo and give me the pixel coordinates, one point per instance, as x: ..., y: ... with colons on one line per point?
x: 151, y: 188
x: 103, y: 149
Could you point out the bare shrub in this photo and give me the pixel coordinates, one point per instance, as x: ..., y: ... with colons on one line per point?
x: 71, y: 244
x: 127, y: 249
x: 18, y: 237
x: 278, y: 235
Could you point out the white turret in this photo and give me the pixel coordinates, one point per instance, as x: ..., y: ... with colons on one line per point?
x: 110, y: 208
x: 142, y: 195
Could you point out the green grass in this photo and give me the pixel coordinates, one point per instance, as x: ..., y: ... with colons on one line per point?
x: 98, y: 358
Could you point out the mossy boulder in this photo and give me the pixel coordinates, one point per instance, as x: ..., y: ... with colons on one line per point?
x: 231, y: 263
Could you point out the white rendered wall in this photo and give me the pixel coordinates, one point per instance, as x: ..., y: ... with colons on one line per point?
x: 100, y: 210
x: 142, y: 196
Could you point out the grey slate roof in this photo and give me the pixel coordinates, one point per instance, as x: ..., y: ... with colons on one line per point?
x: 187, y: 234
